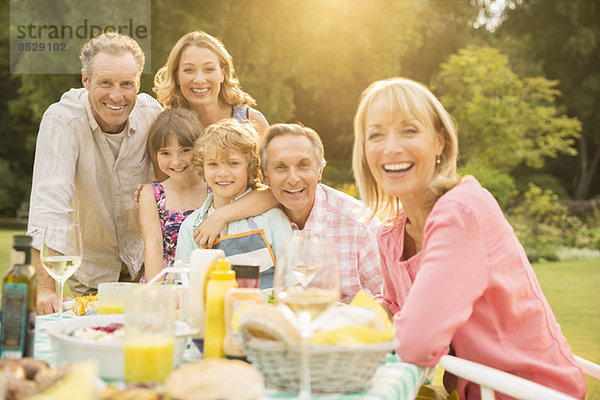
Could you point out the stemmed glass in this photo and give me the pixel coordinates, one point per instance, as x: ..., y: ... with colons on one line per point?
x: 307, y: 280
x: 61, y: 254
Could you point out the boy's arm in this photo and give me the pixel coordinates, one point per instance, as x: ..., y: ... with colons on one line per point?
x: 280, y: 231
x: 254, y: 203
x: 185, y: 240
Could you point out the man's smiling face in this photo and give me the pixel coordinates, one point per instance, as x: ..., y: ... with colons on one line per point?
x: 292, y: 172
x: 112, y: 89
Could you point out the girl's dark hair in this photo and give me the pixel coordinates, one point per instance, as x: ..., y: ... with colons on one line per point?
x: 179, y: 123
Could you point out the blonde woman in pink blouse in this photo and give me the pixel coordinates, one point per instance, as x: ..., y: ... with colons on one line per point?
x: 455, y: 275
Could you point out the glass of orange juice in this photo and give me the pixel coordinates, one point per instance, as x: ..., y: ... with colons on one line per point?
x: 111, y: 296
x: 149, y: 333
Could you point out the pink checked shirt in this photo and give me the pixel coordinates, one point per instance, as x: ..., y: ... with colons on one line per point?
x: 473, y: 288
x: 340, y: 217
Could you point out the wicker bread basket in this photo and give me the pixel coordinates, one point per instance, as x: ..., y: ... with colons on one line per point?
x: 334, y: 369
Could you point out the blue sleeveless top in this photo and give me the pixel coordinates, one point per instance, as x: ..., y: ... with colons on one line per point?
x: 240, y: 113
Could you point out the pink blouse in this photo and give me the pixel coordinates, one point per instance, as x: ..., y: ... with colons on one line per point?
x: 472, y: 287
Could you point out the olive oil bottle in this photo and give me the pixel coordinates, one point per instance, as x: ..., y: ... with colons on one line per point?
x: 19, y: 297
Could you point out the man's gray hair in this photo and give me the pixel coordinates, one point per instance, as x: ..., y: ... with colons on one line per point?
x: 112, y: 43
x: 292, y: 130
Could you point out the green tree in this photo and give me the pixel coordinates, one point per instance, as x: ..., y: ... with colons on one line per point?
x: 309, y: 60
x: 303, y: 60
x: 503, y: 120
x: 563, y: 36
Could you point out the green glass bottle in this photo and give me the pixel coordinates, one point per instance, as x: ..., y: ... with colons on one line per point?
x: 19, y: 297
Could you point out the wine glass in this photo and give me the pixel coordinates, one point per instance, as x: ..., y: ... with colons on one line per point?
x: 307, y: 280
x: 61, y: 254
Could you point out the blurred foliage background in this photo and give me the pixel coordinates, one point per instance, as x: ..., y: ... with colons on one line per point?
x: 521, y: 78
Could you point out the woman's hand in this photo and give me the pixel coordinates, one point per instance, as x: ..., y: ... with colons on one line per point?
x: 210, y: 229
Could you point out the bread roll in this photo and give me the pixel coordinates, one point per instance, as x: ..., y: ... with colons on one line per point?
x: 215, y: 379
x: 267, y: 321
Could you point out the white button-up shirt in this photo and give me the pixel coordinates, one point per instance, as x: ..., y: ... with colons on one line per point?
x: 76, y: 176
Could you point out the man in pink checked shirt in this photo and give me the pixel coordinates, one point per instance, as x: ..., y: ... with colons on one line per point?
x: 292, y: 160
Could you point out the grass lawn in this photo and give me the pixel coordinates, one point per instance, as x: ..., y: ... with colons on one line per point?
x: 572, y: 290
x: 570, y: 287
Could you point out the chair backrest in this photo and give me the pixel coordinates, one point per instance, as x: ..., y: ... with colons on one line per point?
x: 493, y: 380
x: 589, y: 368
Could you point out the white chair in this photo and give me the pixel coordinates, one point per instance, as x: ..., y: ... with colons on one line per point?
x: 589, y: 368
x: 491, y: 380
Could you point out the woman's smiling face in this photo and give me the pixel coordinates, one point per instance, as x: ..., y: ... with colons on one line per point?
x: 199, y: 76
x: 401, y: 152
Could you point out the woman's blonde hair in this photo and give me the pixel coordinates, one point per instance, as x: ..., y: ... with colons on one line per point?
x: 224, y: 137
x: 167, y: 88
x: 181, y: 124
x: 404, y: 98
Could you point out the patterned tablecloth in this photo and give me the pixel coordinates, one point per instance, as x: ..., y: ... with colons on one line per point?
x: 394, y: 380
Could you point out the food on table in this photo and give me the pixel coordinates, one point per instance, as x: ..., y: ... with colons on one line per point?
x: 112, y: 392
x: 266, y: 321
x: 85, y: 304
x: 26, y: 377
x: 111, y: 331
x: 362, y: 322
x: 215, y: 379
x: 78, y: 382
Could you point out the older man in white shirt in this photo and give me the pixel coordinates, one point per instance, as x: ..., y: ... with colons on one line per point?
x: 90, y: 157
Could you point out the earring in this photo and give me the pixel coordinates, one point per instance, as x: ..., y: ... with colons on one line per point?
x: 438, y: 159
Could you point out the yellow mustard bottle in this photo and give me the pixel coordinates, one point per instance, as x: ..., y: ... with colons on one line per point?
x: 222, y: 278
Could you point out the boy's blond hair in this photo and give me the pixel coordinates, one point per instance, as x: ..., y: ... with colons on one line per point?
x: 224, y: 137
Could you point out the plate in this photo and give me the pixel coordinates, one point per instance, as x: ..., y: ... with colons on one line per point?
x: 108, y: 354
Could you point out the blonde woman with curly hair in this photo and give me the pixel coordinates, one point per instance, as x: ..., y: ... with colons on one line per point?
x: 456, y: 278
x: 227, y: 156
x: 199, y: 76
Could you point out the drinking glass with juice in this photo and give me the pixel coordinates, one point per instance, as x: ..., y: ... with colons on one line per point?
x: 111, y: 296
x: 149, y: 334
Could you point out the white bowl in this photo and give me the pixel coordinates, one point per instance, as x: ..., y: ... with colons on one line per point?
x: 109, y: 355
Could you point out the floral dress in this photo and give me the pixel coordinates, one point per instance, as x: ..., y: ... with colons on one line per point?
x: 170, y: 222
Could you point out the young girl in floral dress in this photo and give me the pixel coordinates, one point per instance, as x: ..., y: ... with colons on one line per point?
x: 164, y: 205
